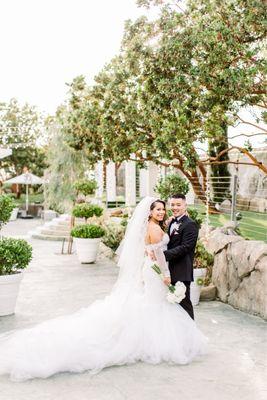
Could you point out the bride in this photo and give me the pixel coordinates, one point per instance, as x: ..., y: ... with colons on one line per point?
x: 133, y: 323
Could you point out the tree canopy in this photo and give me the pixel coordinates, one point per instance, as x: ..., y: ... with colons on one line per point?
x: 21, y: 127
x: 177, y: 82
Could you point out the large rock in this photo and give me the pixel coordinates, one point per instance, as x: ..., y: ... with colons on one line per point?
x: 208, y: 293
x: 239, y: 271
x: 220, y: 275
x: 225, y: 206
x: 218, y: 240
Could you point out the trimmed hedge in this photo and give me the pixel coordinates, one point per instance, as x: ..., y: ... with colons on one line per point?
x: 87, y: 210
x: 87, y: 231
x: 15, y: 254
x: 7, y: 205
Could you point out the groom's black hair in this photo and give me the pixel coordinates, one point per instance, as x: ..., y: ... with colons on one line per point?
x: 178, y: 196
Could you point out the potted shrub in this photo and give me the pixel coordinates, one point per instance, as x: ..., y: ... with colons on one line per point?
x: 86, y: 187
x: 203, y: 262
x: 86, y: 210
x: 15, y: 255
x: 7, y: 205
x: 87, y: 238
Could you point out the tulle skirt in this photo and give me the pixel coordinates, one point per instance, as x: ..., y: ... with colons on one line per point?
x: 109, y: 332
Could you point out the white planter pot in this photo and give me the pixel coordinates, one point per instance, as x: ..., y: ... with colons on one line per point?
x: 195, y: 289
x: 87, y: 249
x: 9, y: 288
x: 14, y: 214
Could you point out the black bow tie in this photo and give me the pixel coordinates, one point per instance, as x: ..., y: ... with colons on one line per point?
x: 175, y: 219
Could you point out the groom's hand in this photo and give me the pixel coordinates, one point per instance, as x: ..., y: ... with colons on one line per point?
x: 169, y: 220
x: 167, y: 281
x: 151, y: 254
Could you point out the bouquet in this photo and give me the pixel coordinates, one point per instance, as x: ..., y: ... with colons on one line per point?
x: 176, y: 292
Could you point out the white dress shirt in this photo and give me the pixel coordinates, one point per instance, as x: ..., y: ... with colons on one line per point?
x: 175, y: 225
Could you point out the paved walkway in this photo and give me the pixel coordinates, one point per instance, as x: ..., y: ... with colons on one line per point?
x: 57, y: 284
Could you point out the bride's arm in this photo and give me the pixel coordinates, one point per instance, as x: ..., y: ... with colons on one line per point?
x: 155, y: 237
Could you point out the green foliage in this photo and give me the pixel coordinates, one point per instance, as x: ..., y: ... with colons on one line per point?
x: 86, y: 187
x: 170, y: 185
x: 176, y: 82
x: 87, y: 210
x: 7, y: 204
x: 124, y: 221
x: 114, y: 234
x: 15, y: 254
x: 20, y: 129
x: 203, y: 259
x: 87, y: 231
x: 195, y: 216
x: 65, y: 166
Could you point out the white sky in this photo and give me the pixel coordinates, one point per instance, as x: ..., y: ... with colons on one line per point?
x: 46, y: 43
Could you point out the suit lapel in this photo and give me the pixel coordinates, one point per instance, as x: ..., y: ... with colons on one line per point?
x: 181, y: 221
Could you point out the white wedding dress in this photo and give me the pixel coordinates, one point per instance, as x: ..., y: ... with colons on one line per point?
x: 123, y: 328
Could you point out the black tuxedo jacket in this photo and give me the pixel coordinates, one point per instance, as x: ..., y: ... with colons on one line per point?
x: 181, y: 249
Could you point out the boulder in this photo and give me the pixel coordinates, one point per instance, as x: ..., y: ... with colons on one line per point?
x: 239, y: 271
x: 219, y: 240
x: 220, y: 277
x: 208, y: 293
x: 225, y: 206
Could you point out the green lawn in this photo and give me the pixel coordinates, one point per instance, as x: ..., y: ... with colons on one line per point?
x: 33, y: 198
x: 253, y: 225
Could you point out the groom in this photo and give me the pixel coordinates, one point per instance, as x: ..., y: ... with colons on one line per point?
x: 183, y: 233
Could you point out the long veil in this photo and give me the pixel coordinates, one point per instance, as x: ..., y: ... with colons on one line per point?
x: 115, y: 330
x: 132, y: 251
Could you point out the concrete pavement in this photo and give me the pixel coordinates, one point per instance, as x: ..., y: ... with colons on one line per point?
x: 57, y: 284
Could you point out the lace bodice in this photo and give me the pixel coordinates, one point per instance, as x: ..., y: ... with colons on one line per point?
x: 163, y: 243
x: 158, y: 249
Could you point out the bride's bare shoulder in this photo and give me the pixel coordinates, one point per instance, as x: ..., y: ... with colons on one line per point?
x: 154, y: 233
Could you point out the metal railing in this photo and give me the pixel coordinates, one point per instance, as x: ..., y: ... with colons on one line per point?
x: 223, y: 199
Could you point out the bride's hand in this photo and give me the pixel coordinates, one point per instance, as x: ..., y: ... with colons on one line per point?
x: 169, y: 220
x: 167, y: 281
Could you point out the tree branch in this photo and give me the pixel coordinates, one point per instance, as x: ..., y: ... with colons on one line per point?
x: 242, y: 150
x: 247, y: 135
x: 250, y: 123
x: 264, y: 106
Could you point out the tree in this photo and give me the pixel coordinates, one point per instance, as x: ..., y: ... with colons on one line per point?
x: 178, y: 81
x: 21, y: 127
x: 65, y: 165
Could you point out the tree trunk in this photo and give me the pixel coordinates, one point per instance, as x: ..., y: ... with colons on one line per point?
x: 220, y: 185
x: 201, y: 193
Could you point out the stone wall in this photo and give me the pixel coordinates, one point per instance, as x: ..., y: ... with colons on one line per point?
x: 240, y: 271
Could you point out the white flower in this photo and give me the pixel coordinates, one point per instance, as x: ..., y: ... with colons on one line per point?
x: 180, y: 290
x: 178, y: 295
x: 171, y: 297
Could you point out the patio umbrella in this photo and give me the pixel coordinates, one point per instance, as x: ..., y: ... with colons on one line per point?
x: 26, y: 179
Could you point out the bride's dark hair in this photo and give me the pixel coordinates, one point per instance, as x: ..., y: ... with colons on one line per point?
x: 162, y: 224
